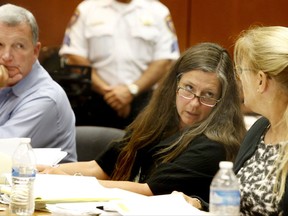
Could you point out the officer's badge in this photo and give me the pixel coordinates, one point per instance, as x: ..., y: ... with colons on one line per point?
x: 170, y: 24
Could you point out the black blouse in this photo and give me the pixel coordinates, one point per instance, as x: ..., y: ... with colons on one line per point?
x: 191, y: 172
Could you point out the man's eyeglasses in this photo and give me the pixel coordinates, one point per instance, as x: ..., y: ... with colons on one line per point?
x: 189, y: 95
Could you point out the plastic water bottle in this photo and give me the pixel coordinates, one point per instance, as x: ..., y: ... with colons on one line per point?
x: 224, y: 191
x: 23, y: 176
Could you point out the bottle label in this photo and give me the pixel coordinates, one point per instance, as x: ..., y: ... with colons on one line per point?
x: 23, y: 171
x: 225, y: 197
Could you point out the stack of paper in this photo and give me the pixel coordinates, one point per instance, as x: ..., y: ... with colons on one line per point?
x: 170, y: 204
x: 51, y: 189
x: 7, y: 148
x: 65, y: 188
x: 45, y: 156
x: 55, y: 192
x: 76, y: 209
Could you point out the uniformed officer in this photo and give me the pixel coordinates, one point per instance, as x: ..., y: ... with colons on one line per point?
x: 130, y: 44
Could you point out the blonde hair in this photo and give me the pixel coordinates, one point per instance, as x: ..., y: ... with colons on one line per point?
x: 266, y: 49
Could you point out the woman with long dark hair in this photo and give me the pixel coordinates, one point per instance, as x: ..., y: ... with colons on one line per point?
x: 193, y: 121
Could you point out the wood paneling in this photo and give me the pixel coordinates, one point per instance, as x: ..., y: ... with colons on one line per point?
x: 222, y: 20
x: 195, y: 20
x: 52, y: 17
x: 180, y: 12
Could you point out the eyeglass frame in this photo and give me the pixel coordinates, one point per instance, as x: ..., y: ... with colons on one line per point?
x: 240, y: 70
x: 197, y: 96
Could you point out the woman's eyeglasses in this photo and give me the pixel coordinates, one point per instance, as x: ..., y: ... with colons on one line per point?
x: 240, y: 70
x: 189, y: 95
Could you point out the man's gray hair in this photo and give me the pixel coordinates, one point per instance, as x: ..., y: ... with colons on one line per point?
x: 13, y: 15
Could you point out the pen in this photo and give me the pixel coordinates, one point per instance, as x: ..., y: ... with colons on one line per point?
x: 100, y: 207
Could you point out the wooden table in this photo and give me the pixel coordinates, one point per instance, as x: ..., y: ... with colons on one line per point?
x: 36, y: 213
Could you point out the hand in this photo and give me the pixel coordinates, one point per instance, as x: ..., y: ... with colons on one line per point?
x: 3, y: 76
x: 192, y: 201
x: 118, y: 97
x: 9, y: 78
x: 44, y: 169
x: 125, y: 111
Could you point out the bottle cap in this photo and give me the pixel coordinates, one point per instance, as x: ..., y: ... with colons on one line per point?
x: 226, y: 164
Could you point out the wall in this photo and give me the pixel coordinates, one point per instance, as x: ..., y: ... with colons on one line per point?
x: 52, y: 17
x: 195, y: 20
x: 222, y: 20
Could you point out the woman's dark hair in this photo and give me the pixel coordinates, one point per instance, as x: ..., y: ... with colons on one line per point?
x: 160, y: 119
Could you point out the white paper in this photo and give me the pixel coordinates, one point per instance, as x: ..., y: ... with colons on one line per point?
x: 7, y: 148
x: 51, y: 188
x: 49, y: 156
x: 45, y: 156
x: 53, y: 191
x: 170, y: 204
x: 74, y: 209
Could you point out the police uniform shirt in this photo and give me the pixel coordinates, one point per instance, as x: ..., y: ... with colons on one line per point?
x: 121, y: 40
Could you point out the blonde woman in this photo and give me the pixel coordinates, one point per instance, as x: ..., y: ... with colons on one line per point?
x: 261, y: 58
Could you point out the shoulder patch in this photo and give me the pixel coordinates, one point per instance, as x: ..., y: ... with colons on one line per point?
x: 170, y: 24
x: 67, y: 40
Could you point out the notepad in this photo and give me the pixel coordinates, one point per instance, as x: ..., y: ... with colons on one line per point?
x: 50, y: 189
x: 66, y: 188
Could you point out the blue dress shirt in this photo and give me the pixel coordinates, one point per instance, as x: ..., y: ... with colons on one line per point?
x: 37, y: 107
